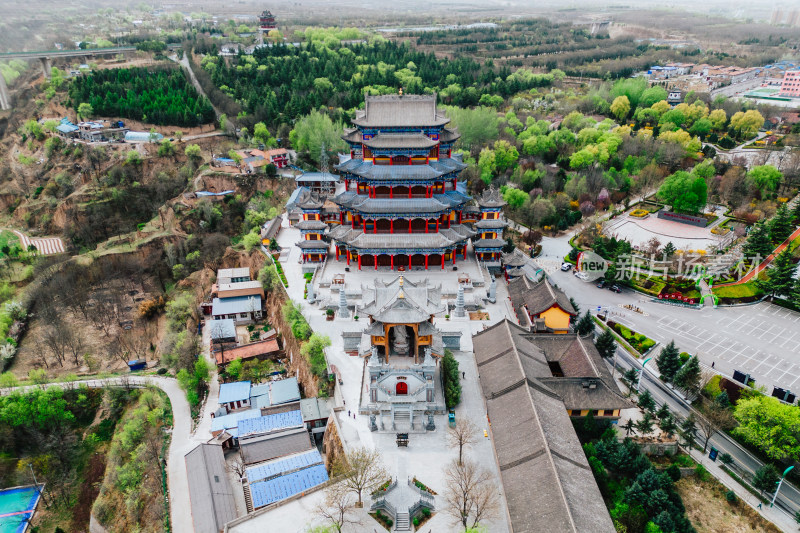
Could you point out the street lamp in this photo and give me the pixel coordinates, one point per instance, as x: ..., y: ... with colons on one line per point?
x: 640, y: 373
x: 775, y: 496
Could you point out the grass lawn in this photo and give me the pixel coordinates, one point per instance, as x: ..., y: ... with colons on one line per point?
x: 8, y: 238
x: 745, y: 290
x: 710, y: 512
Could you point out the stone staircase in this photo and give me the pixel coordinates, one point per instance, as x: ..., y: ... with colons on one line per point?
x: 401, y: 420
x: 402, y: 523
x: 248, y: 499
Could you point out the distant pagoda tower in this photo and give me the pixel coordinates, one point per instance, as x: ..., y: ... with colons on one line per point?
x: 489, y: 243
x: 266, y: 21
x: 403, y: 206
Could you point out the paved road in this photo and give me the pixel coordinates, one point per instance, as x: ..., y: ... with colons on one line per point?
x: 789, y: 497
x: 762, y: 339
x: 182, y: 439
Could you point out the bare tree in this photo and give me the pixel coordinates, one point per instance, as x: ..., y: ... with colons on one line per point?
x: 362, y: 469
x: 58, y: 338
x: 237, y: 466
x: 462, y: 435
x: 338, y: 506
x: 471, y: 494
x: 714, y: 418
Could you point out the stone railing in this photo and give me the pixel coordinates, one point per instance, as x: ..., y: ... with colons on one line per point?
x: 381, y: 503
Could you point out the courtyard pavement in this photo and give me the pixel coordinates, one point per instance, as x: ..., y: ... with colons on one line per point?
x: 683, y: 236
x: 427, y: 454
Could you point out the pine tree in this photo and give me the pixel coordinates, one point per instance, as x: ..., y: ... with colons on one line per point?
x: 688, y: 377
x: 645, y: 424
x: 669, y: 250
x: 668, y: 425
x: 628, y: 426
x: 646, y: 401
x: 663, y: 411
x: 585, y: 324
x: 780, y: 280
x: 629, y: 378
x: 606, y: 344
x: 758, y: 244
x: 796, y: 213
x: 781, y: 225
x: 668, y: 362
x: 689, y: 430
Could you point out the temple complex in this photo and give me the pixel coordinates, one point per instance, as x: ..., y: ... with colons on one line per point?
x: 403, y: 347
x: 402, y: 205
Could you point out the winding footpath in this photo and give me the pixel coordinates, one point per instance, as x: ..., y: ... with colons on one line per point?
x: 181, y: 443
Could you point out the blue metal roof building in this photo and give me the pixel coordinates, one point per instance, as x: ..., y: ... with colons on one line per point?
x: 284, y: 391
x: 223, y: 329
x: 230, y: 423
x: 234, y: 392
x: 266, y: 424
x: 264, y: 493
x: 277, y: 467
x: 235, y: 305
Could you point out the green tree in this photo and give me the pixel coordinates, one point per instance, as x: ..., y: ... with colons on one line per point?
x: 478, y: 126
x: 85, y: 110
x: 262, y: 135
x: 669, y: 362
x: 758, y: 243
x: 606, y: 344
x: 314, y: 351
x: 781, y: 225
x: 688, y: 430
x: 586, y: 324
x: 766, y: 479
x: 234, y: 369
x: 747, y: 123
x: 166, y: 148
x: 646, y: 401
x: 450, y: 380
x: 780, y: 278
x: 514, y: 197
x: 769, y: 425
x: 685, y: 193
x: 620, y: 107
x: 718, y: 119
x: 505, y: 154
x: 765, y: 178
x: 314, y: 131
x: 193, y: 152
x: 487, y: 163
x: 652, y: 95
x: 688, y: 377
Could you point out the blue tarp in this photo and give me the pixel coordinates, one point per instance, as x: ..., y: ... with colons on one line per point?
x: 280, y: 488
x: 265, y: 424
x: 234, y: 392
x: 279, y: 466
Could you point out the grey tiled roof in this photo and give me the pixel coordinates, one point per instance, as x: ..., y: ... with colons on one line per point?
x: 489, y: 243
x: 313, y: 245
x: 537, y: 297
x: 394, y: 241
x: 491, y: 197
x: 496, y: 223
x: 449, y: 135
x: 400, y: 140
x: 311, y: 225
x: 391, y: 300
x: 271, y: 446
x: 210, y: 491
x: 547, y: 481
x: 394, y: 110
x: 514, y: 259
x: 308, y: 200
x: 365, y: 204
x: 431, y: 170
x: 352, y: 135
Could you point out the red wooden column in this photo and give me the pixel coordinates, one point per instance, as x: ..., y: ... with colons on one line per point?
x: 374, y: 225
x: 409, y: 190
x: 437, y: 225
x: 426, y: 261
x: 391, y: 191
x: 391, y: 257
x: 453, y: 253
x: 391, y: 225
x: 427, y: 225
x: 348, y: 257
x: 442, y: 260
x: 337, y: 252
x: 375, y: 260
x: 359, y: 261
x: 353, y: 220
x: 410, y: 230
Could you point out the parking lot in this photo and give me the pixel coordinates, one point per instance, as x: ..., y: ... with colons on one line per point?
x: 762, y: 340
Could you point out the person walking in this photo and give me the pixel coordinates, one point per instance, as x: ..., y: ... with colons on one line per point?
x: 463, y: 375
x: 712, y: 364
x: 348, y: 413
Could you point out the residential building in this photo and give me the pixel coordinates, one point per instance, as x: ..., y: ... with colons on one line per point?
x: 540, y: 305
x: 323, y: 183
x: 674, y: 97
x: 791, y: 84
x: 242, y: 309
x: 238, y: 288
x: 547, y: 481
x: 233, y: 275
x: 266, y: 349
x: 316, y: 412
x: 234, y: 396
x: 97, y: 131
x: 223, y: 331
x: 276, y: 480
x: 270, y: 230
x: 210, y: 492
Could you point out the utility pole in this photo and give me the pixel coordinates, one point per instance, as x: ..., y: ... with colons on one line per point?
x: 639, y: 381
x: 775, y: 496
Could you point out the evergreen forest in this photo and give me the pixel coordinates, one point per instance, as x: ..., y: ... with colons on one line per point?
x: 157, y: 96
x: 278, y: 84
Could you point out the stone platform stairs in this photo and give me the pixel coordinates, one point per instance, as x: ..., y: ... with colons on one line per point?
x: 402, y: 523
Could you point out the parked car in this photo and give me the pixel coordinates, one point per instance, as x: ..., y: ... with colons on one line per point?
x: 614, y: 288
x: 582, y: 275
x: 565, y: 267
x: 601, y: 284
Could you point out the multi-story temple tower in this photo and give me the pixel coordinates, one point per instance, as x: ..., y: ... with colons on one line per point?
x: 403, y: 206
